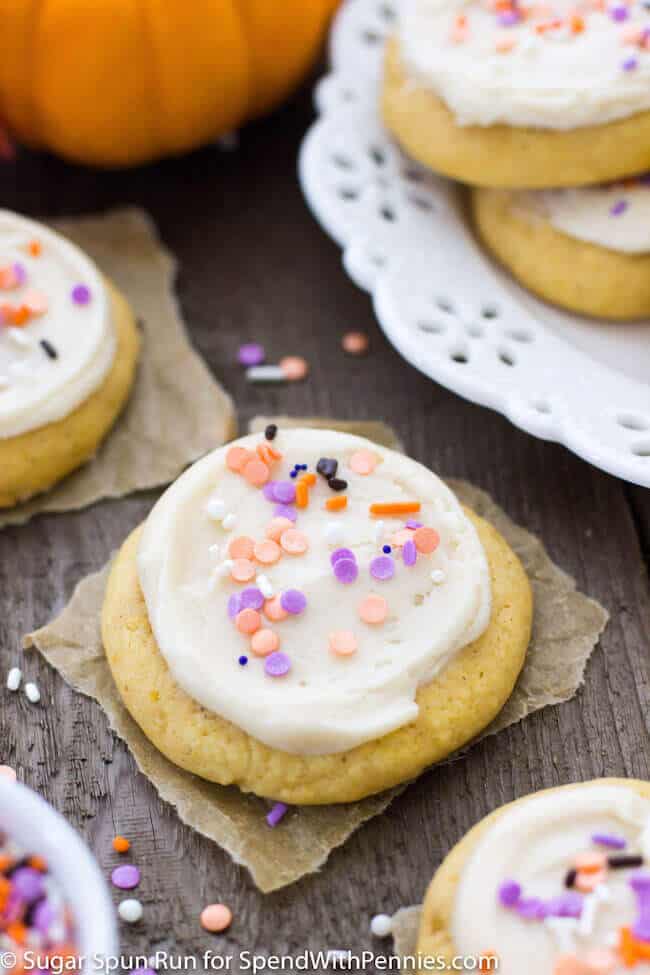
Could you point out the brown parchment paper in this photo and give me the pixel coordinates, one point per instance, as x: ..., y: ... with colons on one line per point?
x: 177, y: 411
x: 566, y: 628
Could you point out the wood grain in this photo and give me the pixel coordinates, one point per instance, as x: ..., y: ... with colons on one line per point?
x: 254, y: 266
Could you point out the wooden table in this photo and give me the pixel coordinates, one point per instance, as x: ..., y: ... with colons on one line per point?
x: 255, y: 266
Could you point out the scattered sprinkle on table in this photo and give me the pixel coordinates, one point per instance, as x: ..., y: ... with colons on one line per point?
x: 32, y: 693
x: 381, y: 925
x: 14, y: 678
x: 130, y: 910
x: 251, y: 354
x: 294, y: 368
x: 355, y: 343
x: 121, y: 844
x: 125, y: 877
x: 216, y: 918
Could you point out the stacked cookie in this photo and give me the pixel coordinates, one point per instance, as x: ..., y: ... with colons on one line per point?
x: 544, y: 110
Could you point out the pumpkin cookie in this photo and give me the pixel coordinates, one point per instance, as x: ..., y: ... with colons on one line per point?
x: 515, y: 95
x: 313, y: 618
x: 557, y: 883
x: 68, y: 350
x: 585, y: 249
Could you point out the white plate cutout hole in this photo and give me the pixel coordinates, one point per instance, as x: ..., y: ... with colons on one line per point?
x: 631, y: 421
x: 507, y: 357
x: 642, y: 449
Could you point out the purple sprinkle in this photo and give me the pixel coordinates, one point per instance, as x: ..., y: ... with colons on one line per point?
x: 508, y: 18
x: 14, y: 908
x: 126, y: 877
x: 276, y: 814
x: 293, y: 601
x: 619, y: 14
x: 269, y: 491
x: 342, y: 553
x: 28, y: 883
x: 277, y: 664
x: 251, y: 354
x: 619, y: 207
x: 565, y: 905
x: 531, y: 908
x: 409, y: 552
x: 20, y: 273
x: 610, y: 840
x: 346, y: 571
x: 43, y: 916
x: 630, y: 64
x: 81, y: 294
x: 411, y: 523
x: 251, y: 598
x: 382, y: 568
x: 234, y: 605
x: 509, y: 893
x: 285, y: 492
x: 285, y: 511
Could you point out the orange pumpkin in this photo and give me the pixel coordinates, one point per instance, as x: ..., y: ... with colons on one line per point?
x: 118, y: 82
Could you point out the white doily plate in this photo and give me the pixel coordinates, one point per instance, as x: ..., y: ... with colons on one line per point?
x: 440, y: 300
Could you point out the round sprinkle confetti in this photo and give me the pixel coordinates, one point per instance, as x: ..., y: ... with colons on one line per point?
x: 130, y: 910
x: 294, y: 368
x: 343, y: 643
x: 381, y: 926
x: 256, y: 472
x: 274, y: 611
x: 234, y: 605
x: 294, y: 542
x: 216, y: 917
x: 438, y: 577
x: 294, y: 601
x: 251, y: 354
x: 248, y: 621
x: 277, y: 665
x: 509, y: 893
x: 373, y: 609
x: 126, y: 877
x: 264, y: 642
x: 267, y: 552
x: 346, y: 571
x: 6, y: 772
x: 342, y: 553
x: 410, y: 552
x: 251, y: 598
x: 81, y: 294
x: 401, y: 537
x: 363, y: 462
x: 236, y: 457
x: 285, y: 492
x: 382, y: 568
x: 355, y: 343
x: 121, y: 844
x: 241, y: 547
x: 269, y: 490
x: 277, y: 526
x: 426, y: 540
x: 242, y: 570
x: 243, y: 660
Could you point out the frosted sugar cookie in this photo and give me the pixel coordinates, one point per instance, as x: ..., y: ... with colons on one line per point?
x: 557, y: 883
x: 68, y: 349
x: 516, y: 94
x: 586, y: 249
x: 313, y: 618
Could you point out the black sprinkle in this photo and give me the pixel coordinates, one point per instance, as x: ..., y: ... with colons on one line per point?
x: 327, y: 467
x: 49, y: 349
x: 271, y: 431
x: 337, y: 483
x: 625, y: 860
x: 570, y: 878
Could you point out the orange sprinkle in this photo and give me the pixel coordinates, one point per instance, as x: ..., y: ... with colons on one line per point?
x: 35, y: 248
x: 381, y: 508
x: 355, y: 343
x: 343, y: 643
x: 363, y: 462
x: 309, y: 479
x: 294, y: 542
x: 38, y: 863
x: 6, y: 863
x: 274, y: 610
x: 273, y: 451
x: 590, y: 862
x: 373, y: 609
x: 121, y: 844
x: 264, y: 642
x: 294, y: 367
x: 17, y: 932
x: 241, y: 547
x: 337, y: 503
x: 237, y: 457
x: 267, y: 454
x: 426, y: 540
x: 277, y: 526
x: 256, y: 472
x: 267, y: 552
x: 243, y: 570
x: 302, y: 494
x: 632, y: 950
x: 577, y: 24
x: 586, y: 882
x: 248, y: 621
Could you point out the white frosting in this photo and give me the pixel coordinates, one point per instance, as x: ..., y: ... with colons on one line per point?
x: 535, y: 844
x: 35, y: 389
x: 556, y: 79
x: 326, y: 703
x: 616, y: 216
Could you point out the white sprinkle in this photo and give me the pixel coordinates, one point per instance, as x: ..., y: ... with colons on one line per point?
x: 265, y: 374
x: 32, y: 692
x: 18, y: 336
x: 381, y: 925
x: 215, y: 508
x: 219, y: 573
x: 564, y: 929
x: 229, y: 521
x: 379, y: 531
x: 14, y: 678
x: 333, y: 532
x: 438, y: 577
x: 215, y: 550
x: 265, y: 586
x: 130, y: 910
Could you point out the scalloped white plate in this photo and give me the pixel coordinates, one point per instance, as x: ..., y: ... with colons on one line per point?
x: 440, y: 300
